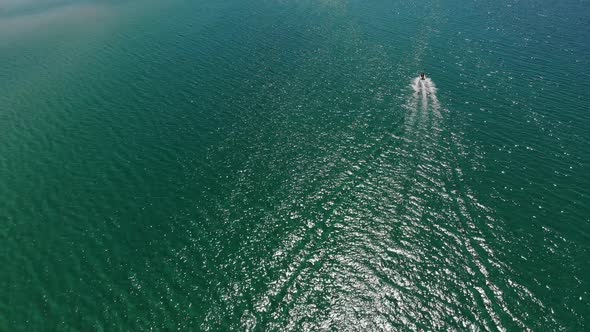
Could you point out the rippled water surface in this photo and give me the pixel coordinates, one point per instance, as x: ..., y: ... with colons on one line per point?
x: 278, y: 165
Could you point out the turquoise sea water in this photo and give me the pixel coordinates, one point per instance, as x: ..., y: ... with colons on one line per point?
x: 276, y: 166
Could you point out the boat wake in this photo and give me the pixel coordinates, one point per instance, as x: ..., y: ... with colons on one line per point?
x: 425, y: 93
x: 459, y: 218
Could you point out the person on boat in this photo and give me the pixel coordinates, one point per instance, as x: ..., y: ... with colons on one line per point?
x: 422, y: 76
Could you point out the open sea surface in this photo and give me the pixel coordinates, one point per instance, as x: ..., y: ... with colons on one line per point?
x: 277, y: 165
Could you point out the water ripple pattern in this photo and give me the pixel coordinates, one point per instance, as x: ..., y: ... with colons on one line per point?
x: 278, y: 166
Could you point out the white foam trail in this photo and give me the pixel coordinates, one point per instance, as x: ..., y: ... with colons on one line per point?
x: 425, y: 92
x: 431, y: 89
